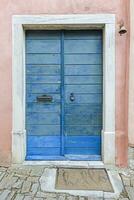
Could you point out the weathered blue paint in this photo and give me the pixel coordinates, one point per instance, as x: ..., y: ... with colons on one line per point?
x: 50, y: 145
x: 43, y: 70
x: 65, y: 157
x: 73, y: 46
x: 83, y: 70
x: 43, y: 46
x: 41, y: 118
x: 82, y: 89
x: 43, y: 76
x: 70, y: 141
x: 59, y: 63
x: 83, y: 78
x: 83, y: 130
x: 42, y: 88
x: 43, y: 79
x: 62, y: 93
x: 33, y: 129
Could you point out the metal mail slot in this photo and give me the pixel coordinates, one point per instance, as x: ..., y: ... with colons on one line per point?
x: 44, y: 98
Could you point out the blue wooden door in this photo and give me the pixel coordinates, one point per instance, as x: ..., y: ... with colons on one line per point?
x: 64, y: 95
x: 83, y: 94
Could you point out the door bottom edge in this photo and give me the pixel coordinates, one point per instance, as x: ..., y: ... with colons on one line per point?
x: 64, y: 158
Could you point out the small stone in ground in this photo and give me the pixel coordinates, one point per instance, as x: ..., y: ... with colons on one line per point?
x: 19, y: 197
x: 26, y: 187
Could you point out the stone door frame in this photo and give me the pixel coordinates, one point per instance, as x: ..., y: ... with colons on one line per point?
x: 20, y: 23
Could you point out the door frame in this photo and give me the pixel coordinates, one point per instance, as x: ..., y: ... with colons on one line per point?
x: 20, y: 23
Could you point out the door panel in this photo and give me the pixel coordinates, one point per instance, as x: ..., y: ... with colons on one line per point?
x: 43, y: 118
x: 83, y: 34
x: 85, y: 98
x: 74, y: 108
x: 42, y: 153
x: 67, y: 67
x: 43, y: 46
x: 82, y: 59
x: 42, y: 35
x: 83, y: 130
x: 43, y: 142
x: 83, y: 119
x: 43, y: 68
x: 33, y: 129
x: 43, y: 79
x: 73, y: 46
x: 81, y: 70
x: 83, y: 81
x: 84, y: 89
x: 42, y: 88
x: 37, y: 59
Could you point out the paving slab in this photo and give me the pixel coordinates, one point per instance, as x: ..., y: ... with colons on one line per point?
x: 2, y: 174
x: 19, y: 197
x: 33, y: 179
x: 34, y: 188
x: 27, y: 198
x: 126, y: 180
x: 132, y: 182
x: 3, y: 169
x: 11, y: 195
x: 37, y: 171
x: 26, y: 187
x: 18, y: 184
x: 82, y: 198
x: 83, y: 179
x: 124, y: 199
x: 40, y: 194
x: 72, y: 198
x: 4, y: 194
x: 130, y: 191
x: 91, y: 198
x: 8, y: 182
x: 21, y: 170
x: 48, y: 179
x: 61, y: 197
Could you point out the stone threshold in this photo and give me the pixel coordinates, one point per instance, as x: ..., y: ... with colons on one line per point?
x: 70, y: 164
x: 48, y: 178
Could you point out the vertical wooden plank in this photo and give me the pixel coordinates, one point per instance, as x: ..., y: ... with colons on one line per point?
x: 62, y: 93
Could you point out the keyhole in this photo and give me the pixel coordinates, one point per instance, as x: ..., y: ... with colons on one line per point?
x: 72, y: 98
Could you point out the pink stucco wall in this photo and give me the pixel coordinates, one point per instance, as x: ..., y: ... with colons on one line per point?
x: 11, y: 7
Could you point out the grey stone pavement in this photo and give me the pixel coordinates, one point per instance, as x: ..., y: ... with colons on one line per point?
x: 23, y: 183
